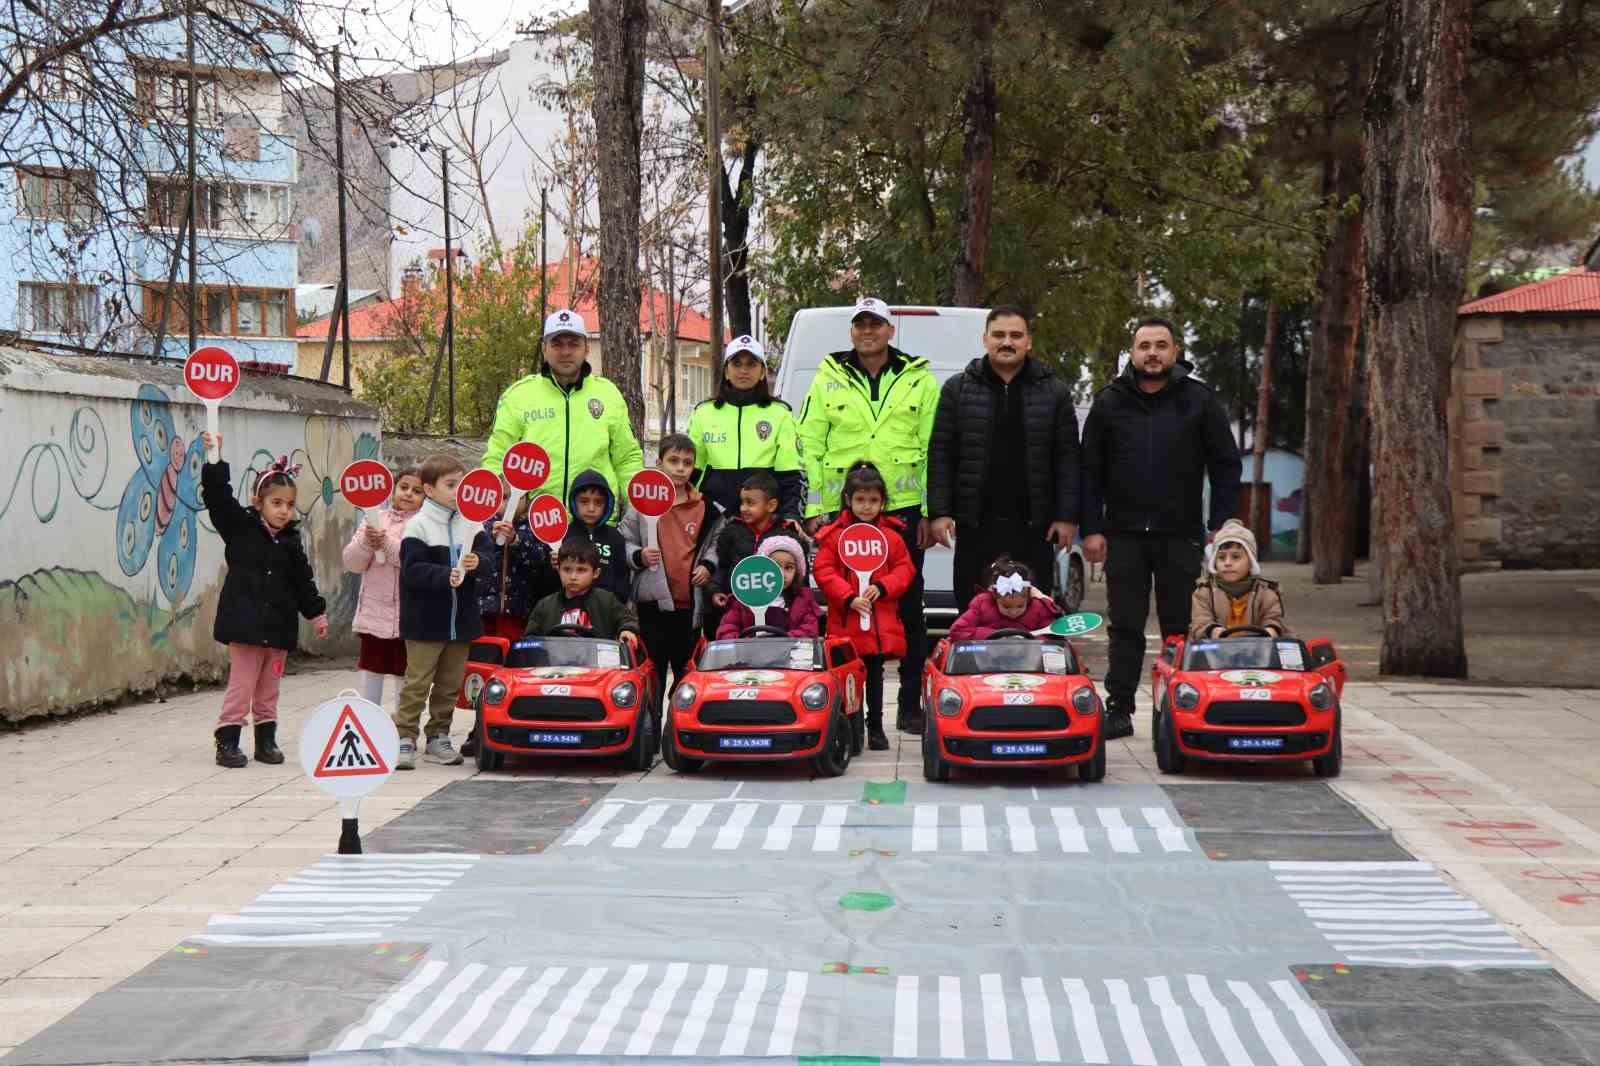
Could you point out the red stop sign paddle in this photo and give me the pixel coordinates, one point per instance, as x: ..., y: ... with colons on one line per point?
x: 526, y: 467
x: 479, y: 496
x: 863, y: 548
x: 365, y: 484
x: 650, y: 492
x: 212, y: 374
x: 548, y: 519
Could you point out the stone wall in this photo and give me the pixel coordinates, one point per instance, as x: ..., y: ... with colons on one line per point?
x: 111, y: 572
x: 1525, y: 433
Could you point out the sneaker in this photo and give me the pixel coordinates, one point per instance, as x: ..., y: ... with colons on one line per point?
x: 442, y: 752
x: 407, y: 759
x: 877, y: 740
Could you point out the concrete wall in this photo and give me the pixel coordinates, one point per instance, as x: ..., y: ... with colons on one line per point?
x: 111, y: 573
x: 1525, y: 431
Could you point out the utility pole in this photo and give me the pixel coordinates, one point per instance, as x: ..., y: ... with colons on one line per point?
x: 449, y: 293
x: 194, y: 217
x: 544, y: 270
x: 344, y: 250
x: 714, y: 175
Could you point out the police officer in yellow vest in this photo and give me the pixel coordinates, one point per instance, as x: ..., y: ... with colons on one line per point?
x: 875, y: 402
x: 745, y: 429
x: 574, y: 414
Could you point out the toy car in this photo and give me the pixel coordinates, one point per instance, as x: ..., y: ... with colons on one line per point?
x: 768, y: 696
x: 1010, y: 699
x: 1248, y: 696
x: 567, y: 693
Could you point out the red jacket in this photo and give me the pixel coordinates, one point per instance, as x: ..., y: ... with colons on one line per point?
x: 983, y: 617
x: 839, y: 586
x: 798, y: 619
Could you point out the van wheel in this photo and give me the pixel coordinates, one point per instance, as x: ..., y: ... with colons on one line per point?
x: 642, y: 752
x: 934, y: 765
x: 670, y: 752
x: 1169, y: 760
x: 835, y: 755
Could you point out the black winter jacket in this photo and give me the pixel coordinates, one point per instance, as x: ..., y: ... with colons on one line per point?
x: 430, y: 610
x: 960, y: 456
x: 1146, y: 455
x: 615, y: 577
x: 269, y: 578
x: 514, y: 578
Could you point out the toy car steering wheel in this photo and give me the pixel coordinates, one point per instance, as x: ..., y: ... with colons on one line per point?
x: 1252, y: 631
x: 763, y: 631
x: 569, y: 630
x: 1013, y: 632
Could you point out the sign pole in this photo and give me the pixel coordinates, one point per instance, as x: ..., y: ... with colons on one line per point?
x: 214, y: 427
x: 349, y: 826
x: 348, y: 747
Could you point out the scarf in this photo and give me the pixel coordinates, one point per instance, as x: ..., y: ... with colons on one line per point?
x: 1235, y: 589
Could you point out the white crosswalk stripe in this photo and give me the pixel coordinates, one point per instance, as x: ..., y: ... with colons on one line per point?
x: 343, y: 898
x: 972, y: 828
x: 1396, y: 913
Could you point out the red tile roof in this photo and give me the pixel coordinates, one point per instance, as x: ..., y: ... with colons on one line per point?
x: 1574, y: 292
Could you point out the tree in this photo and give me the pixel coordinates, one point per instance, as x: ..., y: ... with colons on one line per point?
x: 1419, y: 201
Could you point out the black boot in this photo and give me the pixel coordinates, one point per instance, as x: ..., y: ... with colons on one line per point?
x: 877, y: 740
x: 1119, y: 718
x: 228, y: 753
x: 267, y: 749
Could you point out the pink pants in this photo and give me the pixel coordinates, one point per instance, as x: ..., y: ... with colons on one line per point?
x: 253, y: 676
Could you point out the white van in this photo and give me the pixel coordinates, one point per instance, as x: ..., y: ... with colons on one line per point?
x: 948, y: 338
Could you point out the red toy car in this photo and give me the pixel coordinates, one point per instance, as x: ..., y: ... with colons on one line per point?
x: 1248, y: 696
x: 1010, y: 699
x: 768, y: 696
x: 567, y: 693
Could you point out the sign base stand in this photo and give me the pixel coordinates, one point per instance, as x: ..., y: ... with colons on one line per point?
x: 349, y: 827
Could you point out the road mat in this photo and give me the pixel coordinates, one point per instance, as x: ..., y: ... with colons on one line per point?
x: 1284, y: 820
x: 488, y: 817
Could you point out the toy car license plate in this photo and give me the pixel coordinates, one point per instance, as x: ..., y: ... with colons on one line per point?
x: 744, y: 743
x: 1255, y: 743
x: 1255, y: 694
x: 1016, y: 749
x: 559, y: 739
x: 1017, y: 699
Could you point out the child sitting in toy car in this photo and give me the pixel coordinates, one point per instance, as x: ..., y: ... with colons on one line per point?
x: 1232, y: 591
x: 795, y: 612
x: 1010, y: 602
x: 581, y: 601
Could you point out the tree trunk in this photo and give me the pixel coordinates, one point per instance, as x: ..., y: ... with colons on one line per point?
x: 1353, y: 467
x: 978, y: 109
x: 1418, y: 198
x: 736, y: 203
x: 619, y: 34
x: 1260, y: 517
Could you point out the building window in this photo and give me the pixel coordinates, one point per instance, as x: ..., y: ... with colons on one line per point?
x: 223, y: 207
x: 225, y: 311
x: 63, y: 194
x: 696, y: 384
x: 67, y: 77
x: 164, y: 94
x: 49, y: 308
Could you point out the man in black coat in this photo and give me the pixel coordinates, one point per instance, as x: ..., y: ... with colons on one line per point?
x: 1151, y: 438
x: 1003, y: 459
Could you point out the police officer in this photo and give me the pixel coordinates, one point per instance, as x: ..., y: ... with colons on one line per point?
x: 571, y: 412
x: 875, y: 402
x: 746, y: 429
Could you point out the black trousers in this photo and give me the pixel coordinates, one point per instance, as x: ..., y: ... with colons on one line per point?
x: 670, y: 637
x: 978, y: 546
x: 1135, y: 562
x: 872, y: 698
x: 915, y: 622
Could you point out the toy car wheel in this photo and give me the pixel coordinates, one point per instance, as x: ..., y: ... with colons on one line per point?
x: 670, y: 753
x: 1093, y: 769
x: 1070, y: 598
x: 934, y: 765
x: 1168, y: 758
x: 835, y: 755
x: 858, y: 732
x: 642, y: 752
x: 1330, y: 764
x: 485, y: 758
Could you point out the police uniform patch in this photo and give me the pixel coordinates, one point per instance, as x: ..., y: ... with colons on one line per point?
x: 596, y: 408
x: 763, y: 429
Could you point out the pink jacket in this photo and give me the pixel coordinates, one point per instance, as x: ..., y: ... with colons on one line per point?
x: 800, y: 618
x: 378, y: 608
x: 983, y: 617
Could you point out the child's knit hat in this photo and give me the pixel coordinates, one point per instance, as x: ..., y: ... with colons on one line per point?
x: 785, y: 544
x: 1233, y: 531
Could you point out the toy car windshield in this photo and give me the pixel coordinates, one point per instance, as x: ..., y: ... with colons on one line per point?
x: 1011, y: 657
x: 772, y: 653
x: 1244, y: 653
x: 563, y: 651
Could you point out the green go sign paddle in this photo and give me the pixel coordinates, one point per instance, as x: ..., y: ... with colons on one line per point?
x: 1075, y: 625
x: 758, y: 584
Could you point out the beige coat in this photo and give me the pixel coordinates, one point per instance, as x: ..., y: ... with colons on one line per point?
x: 1210, y: 607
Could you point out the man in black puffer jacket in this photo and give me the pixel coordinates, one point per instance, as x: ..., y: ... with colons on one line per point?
x: 1003, y: 459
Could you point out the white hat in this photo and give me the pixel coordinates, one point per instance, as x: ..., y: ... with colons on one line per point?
x: 745, y: 345
x: 564, y: 321
x: 871, y: 305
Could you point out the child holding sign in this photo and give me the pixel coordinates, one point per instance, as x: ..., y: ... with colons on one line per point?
x: 796, y: 610
x: 1011, y: 602
x: 879, y: 605
x: 377, y: 622
x: 511, y: 579
x: 269, y: 582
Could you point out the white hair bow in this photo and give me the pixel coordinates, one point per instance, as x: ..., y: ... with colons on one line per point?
x: 1011, y: 584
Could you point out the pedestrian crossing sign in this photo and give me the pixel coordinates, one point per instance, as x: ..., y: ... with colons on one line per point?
x: 348, y: 746
x: 349, y: 751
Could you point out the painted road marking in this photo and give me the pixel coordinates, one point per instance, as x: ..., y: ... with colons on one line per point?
x: 905, y: 1017
x: 391, y: 1007
x: 1130, y: 1023
x: 688, y: 825
x: 1084, y: 1021
x: 1067, y: 827
x: 1020, y: 826
x: 787, y: 1022
x: 522, y: 1013
x: 925, y: 827
x: 952, y: 1034
x: 729, y: 835
x: 1177, y: 1026
x: 558, y: 1025
x: 705, y: 1000
x: 1041, y: 1024
x: 829, y: 829
x: 442, y: 1003
x: 1217, y: 1017
x: 656, y: 1013
x: 744, y: 1013
x: 594, y: 825
x: 996, y: 1037
x: 633, y: 833
x: 481, y: 1007
x: 974, y: 836
x: 782, y: 830
x: 594, y: 1043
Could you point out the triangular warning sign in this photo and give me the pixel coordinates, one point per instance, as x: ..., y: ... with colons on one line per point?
x: 349, y: 751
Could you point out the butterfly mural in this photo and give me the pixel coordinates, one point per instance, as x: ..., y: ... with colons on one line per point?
x: 161, y: 504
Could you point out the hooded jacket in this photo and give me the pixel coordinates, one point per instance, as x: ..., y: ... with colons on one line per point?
x: 511, y: 579
x: 436, y: 538
x: 962, y: 460
x: 983, y: 617
x: 614, y: 576
x: 796, y: 610
x: 650, y: 585
x: 1146, y: 457
x: 735, y: 437
x: 378, y: 606
x: 269, y: 577
x: 885, y: 634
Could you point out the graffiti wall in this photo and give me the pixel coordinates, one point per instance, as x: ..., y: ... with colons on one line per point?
x: 111, y: 571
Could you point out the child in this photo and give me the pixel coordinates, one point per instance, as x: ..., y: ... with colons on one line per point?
x: 796, y: 612
x: 438, y: 611
x: 1011, y: 602
x: 1232, y: 592
x: 668, y: 576
x: 383, y: 653
x: 269, y: 581
x: 591, y: 504
x: 885, y: 637
x: 511, y: 579
x: 758, y: 519
x: 582, y: 601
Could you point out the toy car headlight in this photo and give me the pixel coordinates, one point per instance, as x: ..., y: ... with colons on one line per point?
x: 1084, y: 701
x: 684, y: 698
x: 1186, y: 696
x: 494, y: 691
x: 815, y: 696
x: 1321, y: 696
x: 624, y: 693
x: 949, y: 702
